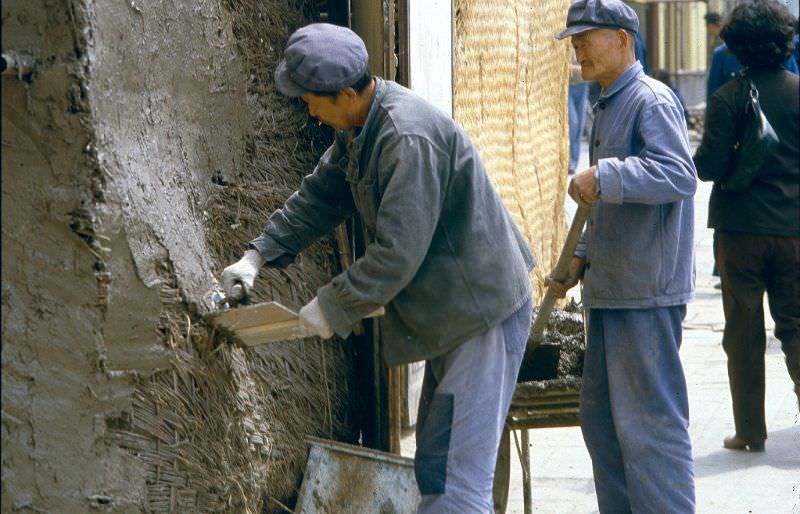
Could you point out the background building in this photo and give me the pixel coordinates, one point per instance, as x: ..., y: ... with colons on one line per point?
x: 675, y: 35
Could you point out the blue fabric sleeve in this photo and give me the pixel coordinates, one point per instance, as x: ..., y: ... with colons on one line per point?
x: 662, y: 172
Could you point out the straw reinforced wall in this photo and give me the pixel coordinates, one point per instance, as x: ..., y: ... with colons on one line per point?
x: 511, y: 97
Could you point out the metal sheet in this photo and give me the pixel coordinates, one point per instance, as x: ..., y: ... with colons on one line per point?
x: 345, y: 479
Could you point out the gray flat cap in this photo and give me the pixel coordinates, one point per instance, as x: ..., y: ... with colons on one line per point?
x: 586, y: 15
x: 321, y: 58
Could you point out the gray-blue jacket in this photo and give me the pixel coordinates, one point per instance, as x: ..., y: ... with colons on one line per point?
x: 443, y: 257
x: 639, y: 239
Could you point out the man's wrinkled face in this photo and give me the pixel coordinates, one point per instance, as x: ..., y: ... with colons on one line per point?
x: 330, y: 110
x: 599, y: 53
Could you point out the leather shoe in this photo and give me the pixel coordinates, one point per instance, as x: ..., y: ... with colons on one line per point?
x: 737, y: 443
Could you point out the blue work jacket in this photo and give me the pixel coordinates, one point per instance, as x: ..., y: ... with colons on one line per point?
x: 639, y: 238
x: 443, y: 256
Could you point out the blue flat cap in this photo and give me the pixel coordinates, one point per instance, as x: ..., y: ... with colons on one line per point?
x: 321, y: 58
x: 586, y: 15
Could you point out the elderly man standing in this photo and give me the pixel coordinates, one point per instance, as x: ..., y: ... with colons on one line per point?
x: 636, y: 261
x: 443, y: 256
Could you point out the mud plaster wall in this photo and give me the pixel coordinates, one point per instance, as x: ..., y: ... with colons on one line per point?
x: 167, y: 91
x: 51, y: 326
x: 108, y: 155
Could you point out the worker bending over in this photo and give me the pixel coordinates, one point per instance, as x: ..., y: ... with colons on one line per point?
x: 443, y: 256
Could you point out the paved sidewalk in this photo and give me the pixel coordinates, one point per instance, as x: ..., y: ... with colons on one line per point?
x: 727, y: 482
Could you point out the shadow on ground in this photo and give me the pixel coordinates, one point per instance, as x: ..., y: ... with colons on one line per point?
x: 782, y: 452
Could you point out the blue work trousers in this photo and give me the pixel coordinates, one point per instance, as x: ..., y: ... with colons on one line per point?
x: 635, y: 412
x: 576, y: 101
x: 465, y: 398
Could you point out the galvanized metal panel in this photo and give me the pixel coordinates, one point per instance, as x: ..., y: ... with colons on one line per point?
x: 345, y: 479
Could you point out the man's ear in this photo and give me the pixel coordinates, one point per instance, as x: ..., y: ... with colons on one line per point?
x: 349, y: 93
x: 624, y: 37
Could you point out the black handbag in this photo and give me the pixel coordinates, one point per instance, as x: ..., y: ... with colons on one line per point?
x: 756, y: 142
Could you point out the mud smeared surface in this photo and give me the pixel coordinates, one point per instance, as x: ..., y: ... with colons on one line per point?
x: 57, y: 388
x: 126, y: 157
x: 558, y: 361
x: 566, y: 329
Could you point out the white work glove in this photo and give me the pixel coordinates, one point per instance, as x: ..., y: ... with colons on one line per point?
x: 312, y: 321
x: 243, y: 272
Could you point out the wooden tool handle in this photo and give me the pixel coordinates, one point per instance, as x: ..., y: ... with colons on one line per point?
x: 561, y: 272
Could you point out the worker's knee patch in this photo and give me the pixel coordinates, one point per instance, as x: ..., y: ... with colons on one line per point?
x: 433, y: 446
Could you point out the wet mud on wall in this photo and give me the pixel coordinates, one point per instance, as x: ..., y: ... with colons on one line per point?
x: 147, y: 147
x: 51, y: 322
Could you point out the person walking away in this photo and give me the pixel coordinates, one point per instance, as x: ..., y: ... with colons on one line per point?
x: 443, y: 256
x: 756, y: 231
x: 636, y: 260
x: 724, y: 67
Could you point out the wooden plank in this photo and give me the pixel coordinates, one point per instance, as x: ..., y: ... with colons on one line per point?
x: 545, y: 406
x: 546, y: 411
x: 537, y: 400
x: 273, y: 333
x: 263, y: 323
x: 521, y: 397
x: 566, y: 419
x: 253, y: 316
x: 258, y: 324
